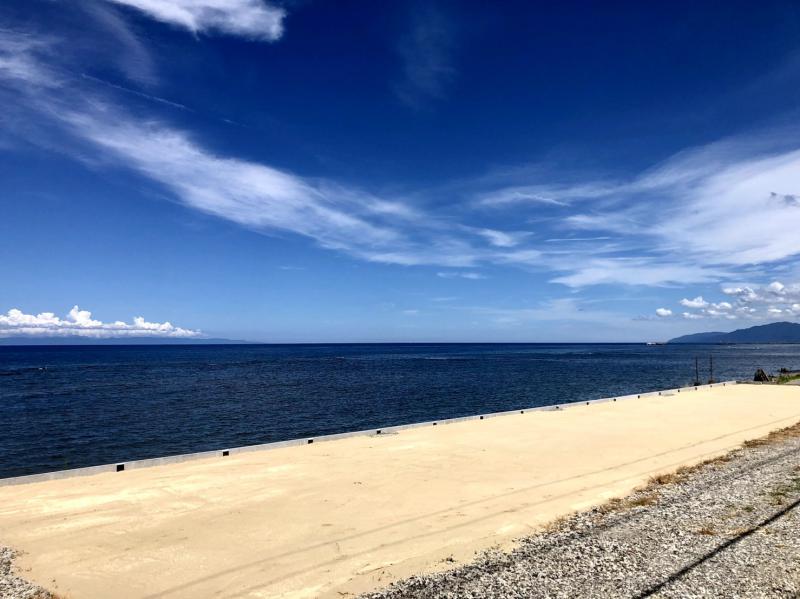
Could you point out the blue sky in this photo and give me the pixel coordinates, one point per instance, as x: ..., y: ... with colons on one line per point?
x: 407, y: 171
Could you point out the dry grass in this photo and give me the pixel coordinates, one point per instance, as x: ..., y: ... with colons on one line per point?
x: 663, y: 479
x: 556, y: 524
x: 750, y: 443
x: 642, y: 500
x: 648, y: 493
x: 790, y: 432
x: 616, y: 504
x: 659, y: 480
x: 612, y: 505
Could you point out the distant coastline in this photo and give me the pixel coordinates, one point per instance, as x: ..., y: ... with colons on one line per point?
x: 776, y: 332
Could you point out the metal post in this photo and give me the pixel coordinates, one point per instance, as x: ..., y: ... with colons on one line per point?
x: 711, y: 369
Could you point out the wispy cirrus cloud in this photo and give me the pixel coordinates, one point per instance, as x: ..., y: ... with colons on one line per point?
x: 631, y: 270
x: 252, y: 194
x: 18, y: 62
x: 701, y: 216
x: 688, y: 220
x: 557, y: 195
x: 117, y: 40
x: 425, y: 52
x: 77, y: 322
x: 503, y: 239
x: 456, y: 274
x: 705, y: 201
x: 251, y: 19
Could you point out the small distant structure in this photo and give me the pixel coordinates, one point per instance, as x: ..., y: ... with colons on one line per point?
x: 761, y: 376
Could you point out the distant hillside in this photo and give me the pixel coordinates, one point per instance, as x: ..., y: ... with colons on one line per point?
x: 776, y: 332
x: 699, y: 338
x: 78, y: 340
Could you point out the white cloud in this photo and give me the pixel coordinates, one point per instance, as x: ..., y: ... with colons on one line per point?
x: 707, y: 200
x: 697, y: 302
x: 253, y: 194
x: 80, y: 323
x: 264, y: 198
x: 252, y: 19
x: 692, y: 316
x: 644, y: 250
x: 501, y: 238
x: 695, y: 211
x: 715, y: 220
x: 775, y: 292
x: 776, y: 287
x: 474, y: 276
x: 18, y: 63
x: 248, y: 193
x: 523, y: 194
x: 752, y: 302
x: 628, y: 271
x: 663, y: 312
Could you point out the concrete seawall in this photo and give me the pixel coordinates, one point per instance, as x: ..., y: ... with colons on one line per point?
x: 176, y: 459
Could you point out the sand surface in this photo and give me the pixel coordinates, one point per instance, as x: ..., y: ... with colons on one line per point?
x: 350, y: 515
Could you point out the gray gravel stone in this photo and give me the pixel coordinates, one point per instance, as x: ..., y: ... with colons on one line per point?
x: 11, y: 585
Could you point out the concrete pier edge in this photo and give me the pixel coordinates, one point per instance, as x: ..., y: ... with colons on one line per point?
x: 223, y: 453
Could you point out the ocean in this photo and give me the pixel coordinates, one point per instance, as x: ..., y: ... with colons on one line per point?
x: 68, y: 407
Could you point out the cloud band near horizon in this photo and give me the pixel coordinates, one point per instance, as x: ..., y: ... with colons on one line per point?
x: 79, y: 323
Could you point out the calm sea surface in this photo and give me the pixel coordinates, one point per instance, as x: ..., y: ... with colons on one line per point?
x: 66, y: 407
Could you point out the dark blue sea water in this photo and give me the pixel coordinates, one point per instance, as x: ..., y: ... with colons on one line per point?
x: 66, y: 407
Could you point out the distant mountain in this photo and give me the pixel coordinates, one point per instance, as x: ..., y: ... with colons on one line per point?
x: 777, y: 332
x: 78, y: 340
x: 699, y: 338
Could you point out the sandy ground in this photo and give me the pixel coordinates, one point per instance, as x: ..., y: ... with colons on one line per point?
x: 350, y: 515
x: 724, y: 529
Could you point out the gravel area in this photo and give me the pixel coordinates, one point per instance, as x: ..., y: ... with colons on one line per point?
x: 728, y: 528
x: 11, y: 585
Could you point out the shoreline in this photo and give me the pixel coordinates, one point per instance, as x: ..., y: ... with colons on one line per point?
x: 355, y: 514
